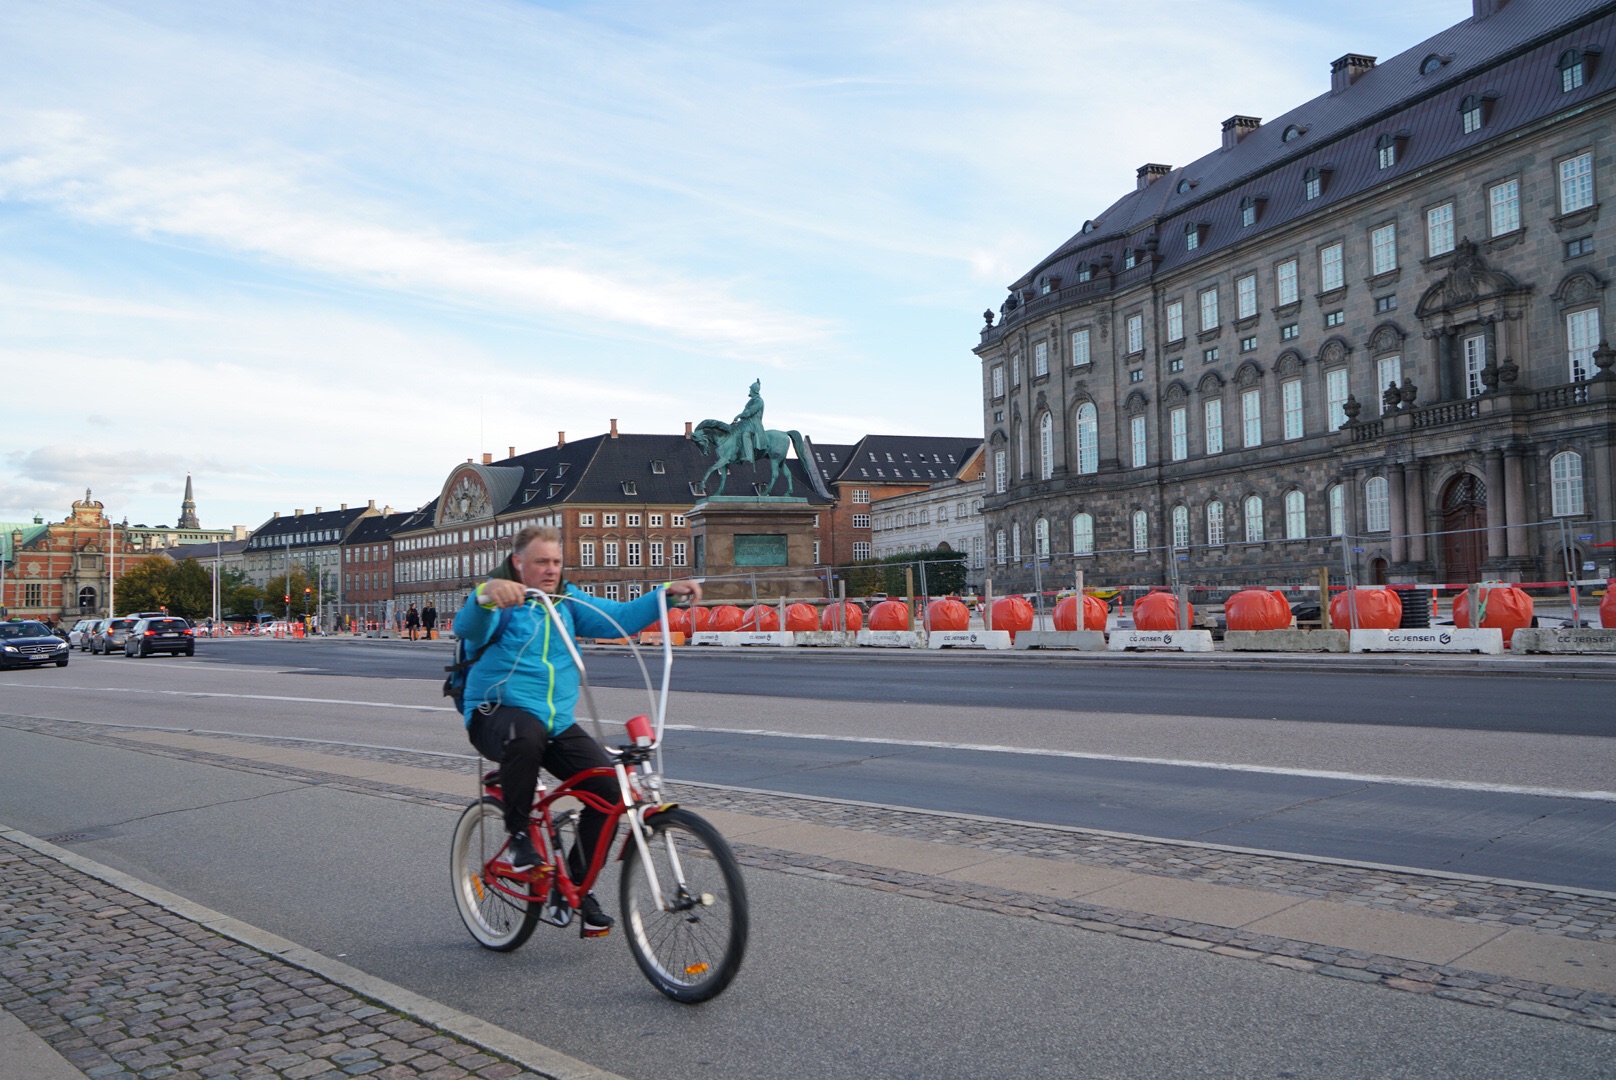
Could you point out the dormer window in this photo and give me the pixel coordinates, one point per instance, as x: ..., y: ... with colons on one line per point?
x: 1089, y: 226
x: 561, y: 469
x: 1386, y: 150
x: 1293, y: 132
x: 1433, y: 63
x: 1129, y: 259
x: 658, y: 467
x: 1194, y: 233
x: 1573, y: 70
x: 1085, y: 272
x: 1313, y: 181
x: 1185, y: 185
x: 1043, y: 286
x: 1473, y: 111
x: 1248, y: 211
x: 555, y: 489
x: 630, y: 488
x: 697, y: 489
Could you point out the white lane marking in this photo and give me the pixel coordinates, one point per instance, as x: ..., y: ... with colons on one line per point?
x: 924, y: 744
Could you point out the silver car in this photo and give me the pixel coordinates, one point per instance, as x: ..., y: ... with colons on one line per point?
x: 79, y: 636
x: 110, y: 635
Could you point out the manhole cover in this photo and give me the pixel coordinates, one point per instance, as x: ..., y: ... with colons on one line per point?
x: 65, y: 838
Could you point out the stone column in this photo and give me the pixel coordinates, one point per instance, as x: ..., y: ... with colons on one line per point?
x: 1415, y: 485
x: 1398, y: 515
x: 1495, y: 504
x: 1515, y: 500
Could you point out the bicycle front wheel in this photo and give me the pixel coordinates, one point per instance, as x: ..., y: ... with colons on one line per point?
x: 690, y: 946
x: 496, y: 921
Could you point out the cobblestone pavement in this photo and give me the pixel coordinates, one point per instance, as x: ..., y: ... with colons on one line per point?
x: 122, y: 987
x: 1564, y: 913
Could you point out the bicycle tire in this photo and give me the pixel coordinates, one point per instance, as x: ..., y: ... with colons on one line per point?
x: 495, y: 921
x: 692, y: 952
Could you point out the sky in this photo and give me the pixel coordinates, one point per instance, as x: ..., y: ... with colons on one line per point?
x: 317, y: 253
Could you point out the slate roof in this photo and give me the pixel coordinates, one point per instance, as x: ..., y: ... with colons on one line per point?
x: 204, y: 551
x: 273, y: 533
x: 378, y: 529
x: 1512, y: 53
x: 905, y: 459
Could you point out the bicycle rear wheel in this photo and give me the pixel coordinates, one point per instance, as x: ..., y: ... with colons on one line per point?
x: 691, y: 947
x: 496, y: 921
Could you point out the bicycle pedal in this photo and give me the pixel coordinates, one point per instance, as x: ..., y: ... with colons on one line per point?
x: 587, y: 931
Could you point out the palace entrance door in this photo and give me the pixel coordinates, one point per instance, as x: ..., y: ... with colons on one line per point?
x: 1464, y: 524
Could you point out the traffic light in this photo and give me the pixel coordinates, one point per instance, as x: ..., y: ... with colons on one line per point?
x: 287, y: 598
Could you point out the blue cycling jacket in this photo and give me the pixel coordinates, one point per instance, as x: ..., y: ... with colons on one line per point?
x: 529, y: 666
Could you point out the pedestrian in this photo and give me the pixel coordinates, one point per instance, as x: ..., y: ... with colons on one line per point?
x: 429, y: 620
x: 412, y: 621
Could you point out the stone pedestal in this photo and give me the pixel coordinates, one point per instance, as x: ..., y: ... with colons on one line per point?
x: 738, y: 536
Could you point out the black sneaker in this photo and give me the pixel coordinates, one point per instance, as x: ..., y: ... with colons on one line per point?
x: 594, y: 917
x: 520, y: 852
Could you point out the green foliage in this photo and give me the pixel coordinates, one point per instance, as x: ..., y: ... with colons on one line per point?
x: 183, y: 588
x: 237, y: 594
x: 302, y: 592
x: 944, y: 574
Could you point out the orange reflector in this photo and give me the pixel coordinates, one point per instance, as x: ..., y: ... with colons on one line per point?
x: 695, y: 969
x: 477, y: 884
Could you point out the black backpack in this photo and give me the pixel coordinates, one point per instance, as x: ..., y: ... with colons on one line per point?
x: 455, y: 685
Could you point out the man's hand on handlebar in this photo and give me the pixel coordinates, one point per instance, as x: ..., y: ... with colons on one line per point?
x: 502, y: 593
x: 685, y: 588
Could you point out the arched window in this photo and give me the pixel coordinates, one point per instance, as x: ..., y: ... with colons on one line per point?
x: 1338, y: 510
x: 1572, y: 70
x: 1386, y: 150
x: 1214, y: 523
x: 1295, y: 515
x: 1254, y: 521
x: 1046, y: 447
x: 1015, y: 539
x: 1471, y: 111
x: 1377, y: 505
x: 1181, y: 526
x: 1248, y: 212
x: 1565, y: 470
x: 1312, y: 184
x: 1040, y: 534
x: 87, y: 598
x: 1088, y: 438
x: 1292, y: 133
x: 1141, y: 531
x: 1083, y: 534
x: 999, y: 553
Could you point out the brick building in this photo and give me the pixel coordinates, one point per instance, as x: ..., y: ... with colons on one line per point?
x: 63, y: 570
x: 368, y: 566
x: 878, y: 467
x: 1368, y: 330
x: 312, y: 543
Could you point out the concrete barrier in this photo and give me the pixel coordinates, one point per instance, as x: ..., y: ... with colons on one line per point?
x: 1161, y: 640
x: 969, y: 639
x: 732, y: 638
x: 891, y: 639
x: 1286, y: 640
x: 827, y: 638
x: 1080, y: 640
x: 1437, y: 639
x: 1581, y: 639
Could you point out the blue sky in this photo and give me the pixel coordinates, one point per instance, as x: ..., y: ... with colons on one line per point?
x: 316, y: 253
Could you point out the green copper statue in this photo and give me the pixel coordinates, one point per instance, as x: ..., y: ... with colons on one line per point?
x: 745, y: 440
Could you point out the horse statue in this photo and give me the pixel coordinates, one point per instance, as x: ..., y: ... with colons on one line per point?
x: 725, y: 444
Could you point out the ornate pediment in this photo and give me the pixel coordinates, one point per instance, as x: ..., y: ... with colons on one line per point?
x: 1211, y: 384
x: 1577, y: 288
x: 1176, y: 392
x: 1335, y: 351
x: 1470, y: 281
x: 1289, y: 362
x: 1136, y: 402
x: 1388, y: 337
x: 1248, y: 374
x: 466, y: 500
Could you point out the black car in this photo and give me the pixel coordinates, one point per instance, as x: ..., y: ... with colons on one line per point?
x: 25, y: 643
x: 166, y: 634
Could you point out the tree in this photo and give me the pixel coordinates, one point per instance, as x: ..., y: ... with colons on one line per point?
x: 183, y: 588
x: 944, y: 574
x: 237, y: 594
x: 301, y: 593
x: 190, y: 590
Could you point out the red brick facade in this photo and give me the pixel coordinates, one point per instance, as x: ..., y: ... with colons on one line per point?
x: 59, y: 572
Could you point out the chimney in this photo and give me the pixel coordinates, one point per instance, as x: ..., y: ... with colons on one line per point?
x: 468, y: 461
x: 317, y: 509
x: 1484, y: 8
x: 1149, y: 174
x: 687, y: 429
x: 1347, y: 70
x: 561, y: 438
x: 1238, y: 127
x: 297, y: 513
x: 488, y: 459
x: 388, y: 509
x: 614, y: 427
x: 511, y: 452
x: 345, y: 506
x: 371, y: 505
x: 275, y: 515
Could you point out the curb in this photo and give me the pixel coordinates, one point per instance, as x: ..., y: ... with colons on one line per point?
x: 525, y: 1052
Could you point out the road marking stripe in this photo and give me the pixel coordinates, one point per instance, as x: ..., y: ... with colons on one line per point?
x: 923, y: 744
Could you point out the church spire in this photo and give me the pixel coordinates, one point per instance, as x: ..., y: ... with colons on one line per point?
x: 188, y: 508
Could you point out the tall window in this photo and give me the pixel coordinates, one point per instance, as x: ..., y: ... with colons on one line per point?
x: 1285, y: 283
x: 611, y: 552
x: 1088, y: 438
x: 1023, y: 459
x: 1475, y: 358
x: 1178, y: 425
x: 1046, y: 447
x: 1080, y: 348
x: 1439, y: 230
x: 1192, y: 236
x: 1571, y: 70
x: 1136, y: 428
x: 1338, y: 510
x: 1214, y: 523
x: 1141, y: 531
x: 1083, y: 534
x: 1248, y: 212
x: 1175, y: 321
x: 1470, y: 113
x: 1000, y: 549
x: 1040, y: 358
x: 1577, y: 183
x: 1332, y: 274
x: 1251, y: 418
x: 1001, y: 472
x: 1015, y: 539
x: 1582, y: 337
x: 1335, y: 392
x: 1388, y: 371
x: 1386, y: 151
x: 1136, y: 333
x: 1181, y: 526
x: 1295, y: 515
x: 1377, y: 505
x: 1254, y: 521
x: 586, y: 553
x: 1383, y: 249
x: 633, y: 553
x: 1245, y: 297
x: 1209, y: 309
x: 1040, y: 536
x: 1312, y: 184
x: 998, y: 380
x: 861, y: 549
x: 1214, y: 425
x: 1565, y: 471
x: 1290, y: 394
x: 656, y: 553
x: 1504, y: 207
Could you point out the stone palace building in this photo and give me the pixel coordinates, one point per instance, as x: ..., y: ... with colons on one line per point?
x: 1369, y: 329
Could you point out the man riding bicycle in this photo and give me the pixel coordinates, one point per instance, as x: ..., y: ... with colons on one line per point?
x: 520, y: 694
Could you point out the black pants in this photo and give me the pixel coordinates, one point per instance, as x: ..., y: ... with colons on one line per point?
x: 520, y: 743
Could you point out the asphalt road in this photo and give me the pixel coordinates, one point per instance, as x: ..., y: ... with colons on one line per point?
x: 838, y: 982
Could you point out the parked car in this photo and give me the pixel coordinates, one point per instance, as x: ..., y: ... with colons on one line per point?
x: 79, y: 636
x: 111, y: 634
x: 162, y: 634
x: 25, y: 643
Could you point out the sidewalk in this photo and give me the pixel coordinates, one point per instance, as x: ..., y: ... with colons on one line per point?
x: 1541, y: 951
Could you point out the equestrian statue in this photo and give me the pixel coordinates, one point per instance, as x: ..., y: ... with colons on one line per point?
x: 745, y: 439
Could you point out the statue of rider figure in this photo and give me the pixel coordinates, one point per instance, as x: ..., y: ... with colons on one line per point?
x: 748, y: 426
